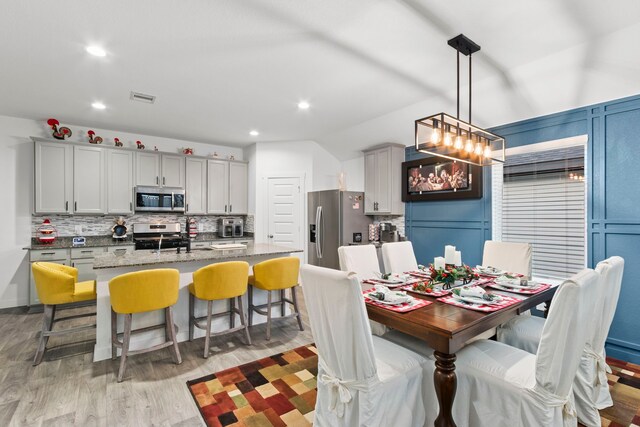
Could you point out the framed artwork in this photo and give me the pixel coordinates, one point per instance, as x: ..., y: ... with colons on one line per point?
x: 435, y: 178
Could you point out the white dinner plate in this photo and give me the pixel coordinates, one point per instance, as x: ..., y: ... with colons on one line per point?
x: 489, y: 271
x: 532, y: 285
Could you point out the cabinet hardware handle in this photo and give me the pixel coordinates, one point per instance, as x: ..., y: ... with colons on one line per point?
x: 225, y: 208
x: 120, y: 250
x: 130, y: 206
x: 75, y: 206
x: 187, y: 207
x: 157, y: 180
x: 66, y: 206
x: 86, y: 252
x: 48, y: 253
x: 73, y: 264
x: 163, y: 180
x: 230, y: 208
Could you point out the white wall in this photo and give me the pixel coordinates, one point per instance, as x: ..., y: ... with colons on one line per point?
x: 16, y: 172
x: 354, y: 173
x: 307, y: 159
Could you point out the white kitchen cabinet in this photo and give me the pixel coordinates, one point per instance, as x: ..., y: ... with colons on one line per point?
x: 89, y: 180
x: 238, y: 188
x: 217, y: 186
x: 382, y: 180
x: 119, y: 181
x: 53, y: 177
x: 172, y: 171
x: 153, y: 169
x: 227, y: 187
x: 147, y: 169
x: 196, y: 186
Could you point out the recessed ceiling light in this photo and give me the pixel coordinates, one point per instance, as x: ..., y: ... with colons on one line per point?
x: 303, y: 105
x: 254, y: 133
x: 96, y: 51
x: 98, y: 106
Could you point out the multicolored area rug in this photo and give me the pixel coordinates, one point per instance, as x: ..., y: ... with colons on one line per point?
x: 280, y: 391
x: 625, y: 391
x: 276, y: 391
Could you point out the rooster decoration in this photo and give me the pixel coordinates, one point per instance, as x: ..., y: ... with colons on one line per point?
x: 94, y: 139
x: 140, y: 145
x: 59, y: 132
x: 117, y: 142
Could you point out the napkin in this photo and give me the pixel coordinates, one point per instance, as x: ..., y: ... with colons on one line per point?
x: 392, y: 297
x: 471, y: 291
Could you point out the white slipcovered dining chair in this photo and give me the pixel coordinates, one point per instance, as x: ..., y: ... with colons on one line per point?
x: 509, y: 256
x: 504, y: 386
x: 362, y: 380
x: 398, y: 257
x: 363, y: 261
x: 590, y: 385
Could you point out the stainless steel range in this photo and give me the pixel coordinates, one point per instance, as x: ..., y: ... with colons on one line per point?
x: 160, y: 236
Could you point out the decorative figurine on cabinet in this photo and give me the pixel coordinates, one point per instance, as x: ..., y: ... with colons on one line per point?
x: 117, y: 142
x: 59, y: 132
x: 140, y: 145
x: 187, y: 151
x: 120, y: 229
x: 155, y: 148
x: 94, y: 139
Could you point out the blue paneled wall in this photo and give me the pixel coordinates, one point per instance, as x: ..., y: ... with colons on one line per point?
x: 613, y: 204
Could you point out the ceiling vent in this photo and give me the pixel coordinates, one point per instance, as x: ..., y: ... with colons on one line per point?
x: 142, y: 97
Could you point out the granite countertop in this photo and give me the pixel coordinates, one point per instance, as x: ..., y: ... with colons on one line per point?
x: 65, y: 242
x: 149, y: 257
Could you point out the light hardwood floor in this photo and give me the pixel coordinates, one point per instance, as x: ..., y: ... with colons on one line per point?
x: 67, y: 388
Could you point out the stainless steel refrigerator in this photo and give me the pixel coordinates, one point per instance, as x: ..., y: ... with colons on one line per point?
x: 336, y: 218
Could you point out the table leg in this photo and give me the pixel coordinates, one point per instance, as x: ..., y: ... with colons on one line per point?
x: 547, y: 306
x: 445, y: 381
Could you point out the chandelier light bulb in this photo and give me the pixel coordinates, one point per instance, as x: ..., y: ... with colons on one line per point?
x: 458, y: 143
x: 435, y: 136
x: 448, y: 141
x: 469, y: 146
x: 487, y: 151
x: 478, y: 149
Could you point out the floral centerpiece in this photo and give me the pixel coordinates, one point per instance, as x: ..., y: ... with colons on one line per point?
x: 450, y: 273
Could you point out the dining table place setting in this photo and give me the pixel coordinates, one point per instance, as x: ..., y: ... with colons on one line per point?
x: 394, y: 300
x: 476, y: 298
x: 392, y: 280
x: 517, y: 284
x: 435, y: 289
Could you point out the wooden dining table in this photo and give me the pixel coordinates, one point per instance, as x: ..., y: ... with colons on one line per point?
x: 446, y: 328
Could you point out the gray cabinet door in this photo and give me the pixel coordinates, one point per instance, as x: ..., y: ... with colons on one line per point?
x: 238, y: 188
x: 217, y: 186
x: 383, y: 181
x: 53, y: 177
x: 196, y: 186
x: 147, y: 169
x: 370, y: 187
x: 119, y: 182
x: 172, y: 171
x: 89, y: 182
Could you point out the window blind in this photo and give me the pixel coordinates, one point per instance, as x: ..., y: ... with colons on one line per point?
x: 545, y: 207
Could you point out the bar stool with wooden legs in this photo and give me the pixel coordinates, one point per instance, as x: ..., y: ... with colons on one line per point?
x: 139, y: 292
x: 276, y: 274
x: 225, y: 280
x: 58, y: 284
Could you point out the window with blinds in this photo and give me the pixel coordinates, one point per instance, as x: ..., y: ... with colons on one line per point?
x: 543, y: 203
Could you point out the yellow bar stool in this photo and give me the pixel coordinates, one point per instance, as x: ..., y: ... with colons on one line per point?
x: 58, y: 284
x: 277, y: 274
x: 140, y: 292
x: 225, y: 280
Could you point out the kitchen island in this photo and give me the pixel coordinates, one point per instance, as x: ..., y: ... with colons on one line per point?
x: 109, y: 266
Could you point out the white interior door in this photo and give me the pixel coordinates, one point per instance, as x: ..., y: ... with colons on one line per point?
x: 285, y: 212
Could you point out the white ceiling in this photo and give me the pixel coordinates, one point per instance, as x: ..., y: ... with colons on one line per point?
x: 368, y: 67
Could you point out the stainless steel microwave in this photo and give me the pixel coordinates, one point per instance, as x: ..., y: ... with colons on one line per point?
x: 159, y: 199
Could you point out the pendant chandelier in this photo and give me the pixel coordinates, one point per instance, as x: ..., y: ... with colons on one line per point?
x: 449, y: 137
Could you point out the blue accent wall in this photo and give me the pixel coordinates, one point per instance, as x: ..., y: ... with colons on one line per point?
x: 613, y: 204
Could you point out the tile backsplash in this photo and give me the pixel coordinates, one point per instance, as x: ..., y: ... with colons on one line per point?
x: 101, y: 225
